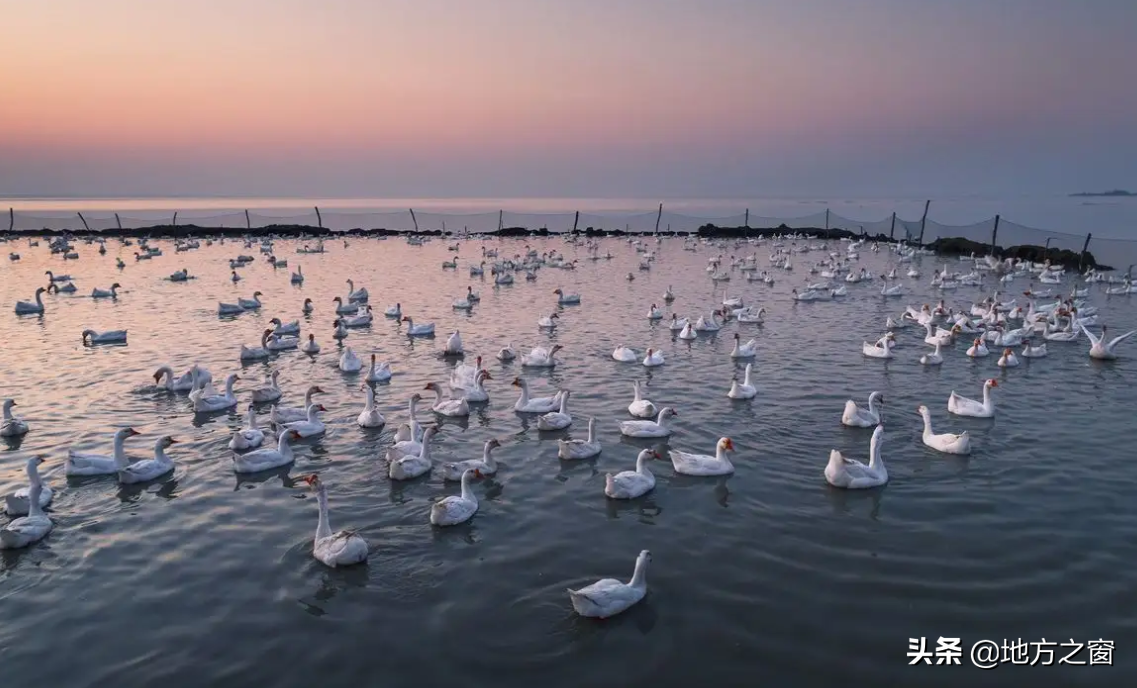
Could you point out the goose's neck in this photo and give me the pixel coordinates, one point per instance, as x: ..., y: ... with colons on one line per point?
x: 720, y: 454
x: 120, y: 459
x: 424, y: 453
x: 467, y: 493
x: 34, y: 493
x: 160, y: 454
x: 746, y: 376
x: 229, y: 385
x: 872, y: 404
x: 986, y: 395
x: 413, y: 403
x: 524, y: 393
x: 875, y: 461
x: 641, y: 466
x: 370, y: 405
x: 283, y: 445
x: 313, y: 414
x: 7, y: 411
x: 639, y: 576
x: 437, y: 395
x: 636, y: 387
x: 564, y: 402
x: 927, y: 425
x: 592, y: 431
x: 33, y: 474
x: 166, y: 373
x: 487, y: 457
x: 251, y: 419
x: 323, y: 526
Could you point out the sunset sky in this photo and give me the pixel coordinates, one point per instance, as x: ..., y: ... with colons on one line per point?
x: 654, y: 98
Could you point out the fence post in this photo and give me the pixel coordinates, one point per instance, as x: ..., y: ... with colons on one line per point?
x: 1085, y: 247
x: 84, y: 222
x: 175, y: 224
x: 576, y: 221
x: 319, y: 220
x: 11, y: 218
x: 924, y: 220
x: 117, y: 221
x: 500, y: 219
x: 248, y: 222
x: 414, y: 219
x: 658, y: 218
x: 747, y: 222
x: 995, y: 236
x: 892, y: 230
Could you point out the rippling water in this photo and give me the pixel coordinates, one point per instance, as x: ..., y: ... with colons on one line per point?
x: 206, y: 578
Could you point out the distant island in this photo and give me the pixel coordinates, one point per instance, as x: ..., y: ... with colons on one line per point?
x: 1115, y: 192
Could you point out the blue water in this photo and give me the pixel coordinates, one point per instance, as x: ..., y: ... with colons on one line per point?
x: 206, y: 578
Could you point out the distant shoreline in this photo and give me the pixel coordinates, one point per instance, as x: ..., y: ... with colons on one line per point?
x: 1098, y: 194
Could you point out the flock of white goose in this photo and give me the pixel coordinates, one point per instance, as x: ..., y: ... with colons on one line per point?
x: 256, y: 449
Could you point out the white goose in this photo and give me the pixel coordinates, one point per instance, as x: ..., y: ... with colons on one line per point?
x: 640, y: 407
x: 747, y: 350
x: 282, y: 415
x: 1008, y: 359
x: 395, y: 311
x: 624, y: 354
x: 342, y: 548
x: 408, y: 438
x: 854, y: 475
x: 712, y: 325
x: 378, y: 372
x: 111, y: 293
x: 881, y: 349
x: 477, y: 393
x: 149, y: 469
x: 411, y: 466
x: 307, y: 308
x: 251, y: 304
x: 356, y: 295
x: 962, y: 406
x: 218, y: 402
x: 677, y: 323
x: 669, y: 295
x: 703, y: 465
x: 250, y: 436
x: 857, y: 417
x: 1033, y: 351
x: 310, y: 346
x: 485, y: 465
x: 298, y: 276
x: 18, y: 503
x: 107, y: 337
x: 11, y: 426
x: 654, y: 313
x: 653, y: 358
x: 566, y: 299
x: 608, y: 597
x: 87, y: 464
x: 947, y: 442
x: 1099, y: 348
x: 546, y: 322
x: 267, y: 458
x: 556, y: 420
x: 632, y: 484
x: 370, y: 417
x: 744, y: 389
x: 456, y: 509
x: 310, y: 426
x: 978, y: 349
x: 541, y: 357
x: 254, y: 353
x: 29, y: 529
x: 454, y: 345
x: 350, y: 361
x: 688, y: 332
x: 282, y: 328
x: 507, y: 353
x: 270, y: 391
x: 28, y: 308
x: 525, y: 404
x: 183, y: 383
x: 935, y: 358
x: 648, y: 428
x: 414, y: 330
x: 576, y: 450
x: 452, y: 408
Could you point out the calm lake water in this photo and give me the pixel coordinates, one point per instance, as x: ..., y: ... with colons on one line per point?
x: 207, y: 578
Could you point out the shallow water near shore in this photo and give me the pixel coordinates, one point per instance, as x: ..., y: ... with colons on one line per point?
x: 206, y: 577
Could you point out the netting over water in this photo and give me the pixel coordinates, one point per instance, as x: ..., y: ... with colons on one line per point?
x: 1118, y: 253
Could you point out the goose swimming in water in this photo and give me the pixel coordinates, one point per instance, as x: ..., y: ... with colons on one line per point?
x: 744, y: 389
x: 854, y: 475
x: 632, y: 484
x: 608, y: 597
x: 18, y: 503
x: 341, y: 548
x: 576, y: 450
x: 11, y: 426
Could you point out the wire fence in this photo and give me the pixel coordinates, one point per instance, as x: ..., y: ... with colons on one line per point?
x: 994, y: 232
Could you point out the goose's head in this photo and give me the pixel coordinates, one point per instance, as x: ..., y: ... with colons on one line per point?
x: 922, y: 410
x: 256, y: 294
x: 726, y: 444
x: 307, y: 302
x: 167, y: 442
x: 431, y: 386
x: 116, y: 285
x: 517, y: 382
x: 991, y: 383
x: 40, y: 291
x: 558, y: 347
x: 338, y: 299
x: 276, y: 321
x: 127, y: 432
